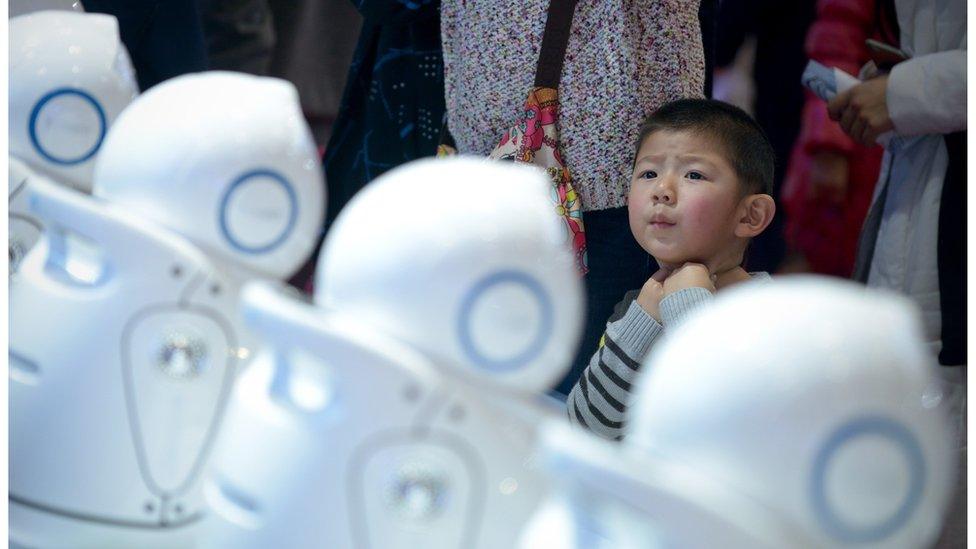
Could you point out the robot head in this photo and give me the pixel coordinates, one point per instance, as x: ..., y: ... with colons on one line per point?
x: 226, y: 160
x: 21, y: 7
x: 814, y: 396
x: 465, y: 260
x: 70, y: 77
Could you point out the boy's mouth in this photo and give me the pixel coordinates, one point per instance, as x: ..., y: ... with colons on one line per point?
x: 660, y: 221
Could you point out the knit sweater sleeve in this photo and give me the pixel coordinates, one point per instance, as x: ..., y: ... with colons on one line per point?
x: 599, y: 400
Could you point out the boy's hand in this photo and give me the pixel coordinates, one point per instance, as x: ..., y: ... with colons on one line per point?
x: 651, y: 293
x: 689, y: 275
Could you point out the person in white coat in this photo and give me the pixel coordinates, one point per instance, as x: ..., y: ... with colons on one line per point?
x: 914, y: 238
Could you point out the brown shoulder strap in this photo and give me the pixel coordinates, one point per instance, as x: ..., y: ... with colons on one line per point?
x: 559, y: 21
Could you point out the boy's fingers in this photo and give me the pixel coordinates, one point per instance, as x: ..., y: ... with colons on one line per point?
x: 692, y: 265
x: 660, y: 275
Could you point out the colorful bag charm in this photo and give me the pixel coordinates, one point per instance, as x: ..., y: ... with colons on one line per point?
x: 535, y: 140
x: 535, y: 137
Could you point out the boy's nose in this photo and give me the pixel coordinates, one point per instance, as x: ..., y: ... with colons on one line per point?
x: 663, y: 195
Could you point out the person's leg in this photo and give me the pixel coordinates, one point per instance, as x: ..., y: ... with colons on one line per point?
x: 617, y: 265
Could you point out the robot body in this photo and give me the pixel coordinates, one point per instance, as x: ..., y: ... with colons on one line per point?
x: 383, y: 450
x: 145, y: 397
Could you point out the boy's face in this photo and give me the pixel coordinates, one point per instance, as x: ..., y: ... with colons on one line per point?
x: 683, y: 201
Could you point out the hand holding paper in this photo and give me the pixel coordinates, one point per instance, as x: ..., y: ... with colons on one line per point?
x: 863, y: 111
x: 859, y: 106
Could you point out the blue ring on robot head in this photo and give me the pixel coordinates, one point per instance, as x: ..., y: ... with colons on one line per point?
x: 868, y: 426
x: 292, y: 214
x: 542, y: 334
x: 36, y: 111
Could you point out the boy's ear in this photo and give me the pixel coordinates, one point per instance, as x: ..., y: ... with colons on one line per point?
x: 756, y: 213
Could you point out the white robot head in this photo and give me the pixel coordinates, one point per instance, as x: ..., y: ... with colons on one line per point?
x: 70, y: 77
x: 21, y: 7
x: 814, y: 396
x: 465, y: 260
x: 224, y: 159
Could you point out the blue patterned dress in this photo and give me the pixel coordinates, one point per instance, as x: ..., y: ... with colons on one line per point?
x: 393, y: 103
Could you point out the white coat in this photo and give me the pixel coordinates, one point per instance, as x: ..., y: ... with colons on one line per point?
x: 926, y: 97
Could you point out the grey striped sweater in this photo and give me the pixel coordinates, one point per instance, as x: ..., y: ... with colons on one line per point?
x: 600, y: 398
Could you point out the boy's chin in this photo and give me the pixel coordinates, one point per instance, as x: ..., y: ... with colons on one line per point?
x: 670, y: 260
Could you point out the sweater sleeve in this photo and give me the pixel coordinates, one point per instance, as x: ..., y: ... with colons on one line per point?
x: 676, y: 307
x: 927, y: 94
x: 599, y: 400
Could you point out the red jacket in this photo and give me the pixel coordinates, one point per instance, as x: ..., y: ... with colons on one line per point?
x: 825, y: 233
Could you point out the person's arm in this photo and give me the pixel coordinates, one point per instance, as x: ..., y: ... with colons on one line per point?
x: 599, y: 400
x: 923, y: 95
x: 927, y: 94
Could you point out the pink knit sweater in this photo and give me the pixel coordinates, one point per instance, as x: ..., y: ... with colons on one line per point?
x: 625, y: 58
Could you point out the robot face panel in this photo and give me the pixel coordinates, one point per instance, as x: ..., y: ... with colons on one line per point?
x: 464, y: 259
x: 70, y: 79
x: 67, y: 126
x: 822, y: 403
x: 504, y: 344
x: 224, y: 159
x: 242, y: 224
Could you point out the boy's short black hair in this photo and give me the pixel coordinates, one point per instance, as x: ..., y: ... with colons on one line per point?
x: 746, y: 146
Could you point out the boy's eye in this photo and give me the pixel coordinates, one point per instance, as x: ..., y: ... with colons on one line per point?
x: 695, y: 175
x: 647, y: 174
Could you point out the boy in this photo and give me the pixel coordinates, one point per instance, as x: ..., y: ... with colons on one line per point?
x: 700, y: 191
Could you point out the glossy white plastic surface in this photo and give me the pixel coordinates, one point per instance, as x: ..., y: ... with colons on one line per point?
x: 123, y: 347
x: 23, y: 229
x: 608, y: 496
x: 363, y: 423
x: 464, y: 259
x: 814, y: 396
x: 21, y: 7
x: 224, y: 159
x: 337, y: 436
x: 70, y: 77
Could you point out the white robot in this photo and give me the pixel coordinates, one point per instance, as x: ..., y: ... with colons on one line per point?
x: 401, y: 411
x: 801, y: 413
x: 815, y: 398
x: 70, y: 77
x: 124, y: 329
